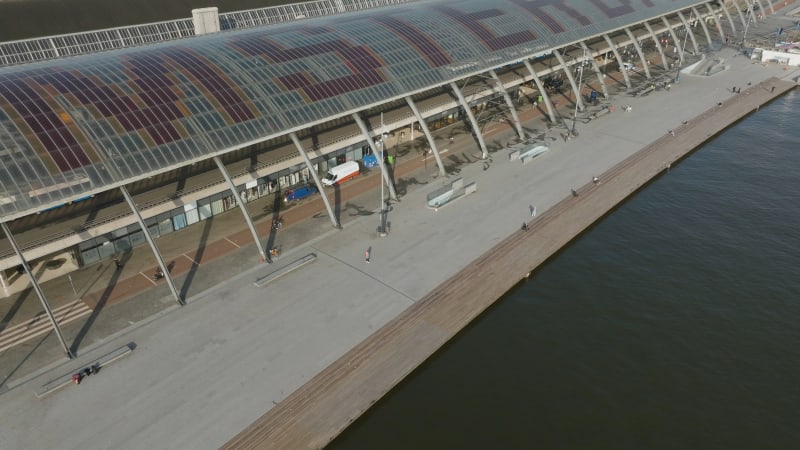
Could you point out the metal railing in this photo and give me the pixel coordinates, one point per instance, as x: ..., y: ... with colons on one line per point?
x: 59, y: 46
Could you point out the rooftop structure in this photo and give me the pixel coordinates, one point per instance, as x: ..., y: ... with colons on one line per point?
x: 76, y: 126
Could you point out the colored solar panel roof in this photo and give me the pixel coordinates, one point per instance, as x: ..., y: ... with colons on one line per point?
x: 84, y: 124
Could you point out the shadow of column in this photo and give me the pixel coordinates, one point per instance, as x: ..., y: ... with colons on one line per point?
x: 198, y: 256
x: 101, y: 303
x: 21, y: 297
x: 337, y: 204
x: 23, y: 360
x: 277, y: 204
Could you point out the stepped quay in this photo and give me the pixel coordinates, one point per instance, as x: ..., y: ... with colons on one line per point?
x: 291, y: 363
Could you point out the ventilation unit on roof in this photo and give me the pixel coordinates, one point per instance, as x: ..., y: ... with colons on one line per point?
x: 206, y: 20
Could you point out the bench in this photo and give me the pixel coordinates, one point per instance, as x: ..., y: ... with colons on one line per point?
x: 294, y: 265
x: 99, y: 363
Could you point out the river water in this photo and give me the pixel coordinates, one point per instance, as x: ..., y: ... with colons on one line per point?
x: 673, y: 323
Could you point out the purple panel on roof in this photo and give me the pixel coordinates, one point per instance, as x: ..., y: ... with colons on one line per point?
x: 426, y: 46
x: 489, y: 37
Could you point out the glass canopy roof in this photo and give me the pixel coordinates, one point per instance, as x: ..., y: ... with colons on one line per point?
x: 75, y: 126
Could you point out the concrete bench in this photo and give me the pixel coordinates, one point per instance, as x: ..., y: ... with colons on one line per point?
x: 598, y: 114
x: 99, y: 363
x: 528, y: 155
x: 449, y: 193
x: 647, y: 90
x: 294, y: 265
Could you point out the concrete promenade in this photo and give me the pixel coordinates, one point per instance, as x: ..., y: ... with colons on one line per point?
x: 202, y: 373
x: 317, y: 412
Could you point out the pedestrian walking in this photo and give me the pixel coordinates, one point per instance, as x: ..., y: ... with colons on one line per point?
x: 574, y: 192
x: 595, y: 180
x: 524, y: 226
x: 533, y: 211
x: 117, y: 263
x: 773, y: 89
x: 366, y: 255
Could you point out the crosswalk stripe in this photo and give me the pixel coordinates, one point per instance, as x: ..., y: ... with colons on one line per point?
x: 41, y: 324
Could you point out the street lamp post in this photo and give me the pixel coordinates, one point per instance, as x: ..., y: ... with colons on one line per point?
x: 574, y: 131
x: 382, y: 146
x: 747, y: 23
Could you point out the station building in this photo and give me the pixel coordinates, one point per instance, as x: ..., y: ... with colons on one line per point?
x: 119, y: 138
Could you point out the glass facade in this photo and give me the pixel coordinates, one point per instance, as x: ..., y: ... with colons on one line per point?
x: 126, y: 238
x: 85, y: 123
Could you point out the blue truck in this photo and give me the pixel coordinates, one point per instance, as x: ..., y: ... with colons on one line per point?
x: 299, y: 193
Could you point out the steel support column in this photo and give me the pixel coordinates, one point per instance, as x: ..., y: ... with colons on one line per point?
x: 639, y: 51
x: 509, y: 102
x: 153, y: 248
x: 619, y: 60
x: 428, y: 135
x: 542, y: 91
x: 741, y: 12
x: 675, y: 40
x: 664, y: 62
x: 596, y: 68
x: 761, y: 9
x: 379, y: 155
x: 727, y: 15
x: 38, y: 290
x: 689, y: 31
x: 242, y: 207
x: 716, y: 21
x: 315, y: 176
x: 705, y: 27
x: 575, y: 88
x: 476, y: 130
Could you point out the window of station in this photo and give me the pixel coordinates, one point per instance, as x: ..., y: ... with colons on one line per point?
x: 96, y: 249
x: 122, y: 242
x: 152, y: 226
x: 204, y: 209
x: 136, y: 235
x: 126, y: 238
x: 178, y: 218
x: 164, y: 221
x: 445, y: 119
x: 192, y: 215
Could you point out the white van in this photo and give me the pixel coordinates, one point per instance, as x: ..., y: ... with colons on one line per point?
x: 341, y: 173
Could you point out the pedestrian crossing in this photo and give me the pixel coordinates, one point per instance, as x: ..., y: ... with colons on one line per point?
x: 40, y: 324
